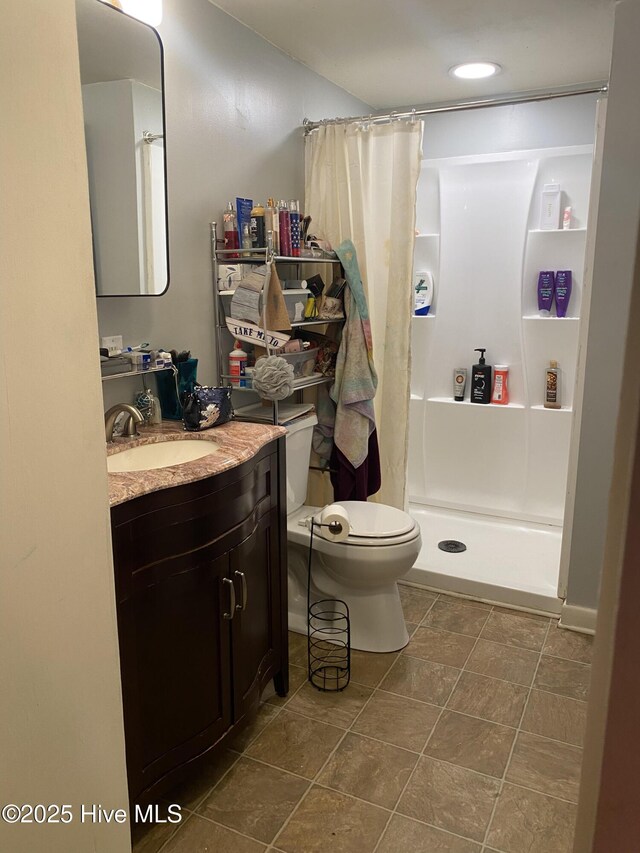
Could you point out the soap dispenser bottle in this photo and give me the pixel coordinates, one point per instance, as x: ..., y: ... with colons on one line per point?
x: 481, y: 380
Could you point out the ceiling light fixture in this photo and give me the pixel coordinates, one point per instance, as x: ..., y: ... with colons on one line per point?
x: 475, y: 70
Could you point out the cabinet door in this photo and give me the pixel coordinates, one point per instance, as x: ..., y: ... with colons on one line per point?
x: 175, y: 656
x: 256, y: 630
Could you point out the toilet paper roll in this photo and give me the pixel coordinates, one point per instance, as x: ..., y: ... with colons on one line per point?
x: 333, y: 512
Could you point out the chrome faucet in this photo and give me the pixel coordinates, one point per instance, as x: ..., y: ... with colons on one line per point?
x: 130, y: 425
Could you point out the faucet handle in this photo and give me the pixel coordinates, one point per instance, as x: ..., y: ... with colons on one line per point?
x: 131, y: 426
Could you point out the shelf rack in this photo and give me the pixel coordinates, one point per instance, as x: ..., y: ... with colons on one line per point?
x: 136, y: 372
x: 258, y: 256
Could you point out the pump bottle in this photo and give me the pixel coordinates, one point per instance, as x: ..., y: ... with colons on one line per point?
x: 481, y: 380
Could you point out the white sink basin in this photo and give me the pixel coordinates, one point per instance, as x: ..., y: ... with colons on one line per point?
x: 144, y: 457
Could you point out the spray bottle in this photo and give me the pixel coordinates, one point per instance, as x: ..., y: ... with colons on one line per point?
x: 285, y: 230
x: 294, y: 219
x: 272, y: 223
x: 230, y: 224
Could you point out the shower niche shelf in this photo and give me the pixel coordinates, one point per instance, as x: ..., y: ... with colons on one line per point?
x: 557, y: 230
x: 567, y: 320
x: 475, y: 405
x: 567, y: 410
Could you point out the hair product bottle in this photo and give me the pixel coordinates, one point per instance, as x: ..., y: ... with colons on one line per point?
x: 563, y: 291
x: 552, y: 387
x: 459, y: 383
x: 423, y: 293
x: 546, y: 288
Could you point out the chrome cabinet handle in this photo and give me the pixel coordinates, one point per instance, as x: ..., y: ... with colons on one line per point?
x: 232, y: 599
x: 245, y: 594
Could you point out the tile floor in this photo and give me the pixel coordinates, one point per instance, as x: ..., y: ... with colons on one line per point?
x: 469, y: 741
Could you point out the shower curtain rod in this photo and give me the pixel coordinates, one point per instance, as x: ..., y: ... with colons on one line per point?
x: 596, y: 88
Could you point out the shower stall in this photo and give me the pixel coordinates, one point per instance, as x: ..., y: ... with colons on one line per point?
x: 494, y: 477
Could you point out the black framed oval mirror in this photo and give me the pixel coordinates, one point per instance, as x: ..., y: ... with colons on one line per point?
x: 122, y: 77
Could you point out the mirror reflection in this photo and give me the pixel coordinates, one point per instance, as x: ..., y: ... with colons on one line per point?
x: 121, y: 71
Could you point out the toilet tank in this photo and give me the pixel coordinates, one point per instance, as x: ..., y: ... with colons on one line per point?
x: 298, y: 442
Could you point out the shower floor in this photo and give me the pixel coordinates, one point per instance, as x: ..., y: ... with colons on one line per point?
x: 509, y: 562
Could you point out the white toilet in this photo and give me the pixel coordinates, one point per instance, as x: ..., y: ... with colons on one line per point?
x: 383, y: 544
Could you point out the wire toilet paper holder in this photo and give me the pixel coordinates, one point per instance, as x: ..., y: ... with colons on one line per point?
x: 328, y: 633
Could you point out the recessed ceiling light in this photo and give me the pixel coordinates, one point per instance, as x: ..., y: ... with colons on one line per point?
x: 475, y: 70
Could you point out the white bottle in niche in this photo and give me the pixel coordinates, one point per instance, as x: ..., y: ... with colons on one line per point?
x: 550, y: 208
x: 423, y: 292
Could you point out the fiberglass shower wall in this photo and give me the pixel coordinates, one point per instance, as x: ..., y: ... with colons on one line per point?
x: 478, y: 233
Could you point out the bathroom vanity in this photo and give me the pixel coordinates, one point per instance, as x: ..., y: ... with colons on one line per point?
x: 201, y: 590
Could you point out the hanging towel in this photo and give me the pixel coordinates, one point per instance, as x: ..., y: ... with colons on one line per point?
x: 354, y: 456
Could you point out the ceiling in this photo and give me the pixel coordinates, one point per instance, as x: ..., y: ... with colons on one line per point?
x: 394, y: 54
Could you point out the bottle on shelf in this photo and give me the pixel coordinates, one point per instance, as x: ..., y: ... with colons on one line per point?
x: 552, y: 387
x: 257, y: 229
x: 423, y: 293
x: 294, y: 224
x: 272, y: 223
x: 546, y: 290
x: 230, y: 227
x: 285, y: 230
x: 481, y: 380
x: 563, y: 291
x: 247, y: 243
x: 238, y: 365
x: 500, y: 393
x: 156, y: 412
x: 550, y: 207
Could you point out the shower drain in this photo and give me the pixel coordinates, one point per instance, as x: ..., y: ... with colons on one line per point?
x: 452, y: 546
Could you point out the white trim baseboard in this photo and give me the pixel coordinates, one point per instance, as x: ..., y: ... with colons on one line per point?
x: 582, y: 619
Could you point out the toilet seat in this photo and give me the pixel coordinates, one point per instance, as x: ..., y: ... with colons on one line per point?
x: 375, y: 524
x: 372, y: 525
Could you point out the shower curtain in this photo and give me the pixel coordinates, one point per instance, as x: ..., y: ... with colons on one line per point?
x: 360, y: 184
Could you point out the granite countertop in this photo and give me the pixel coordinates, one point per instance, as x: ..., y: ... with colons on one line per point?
x: 238, y: 442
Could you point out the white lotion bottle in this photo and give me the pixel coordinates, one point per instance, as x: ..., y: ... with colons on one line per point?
x: 423, y: 293
x: 550, y: 209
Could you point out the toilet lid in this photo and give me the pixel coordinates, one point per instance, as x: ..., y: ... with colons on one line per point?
x: 377, y: 521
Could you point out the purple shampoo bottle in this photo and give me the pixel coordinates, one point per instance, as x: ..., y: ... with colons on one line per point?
x: 563, y: 292
x: 546, y: 287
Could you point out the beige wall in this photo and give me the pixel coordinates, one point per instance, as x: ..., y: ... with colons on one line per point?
x: 609, y: 794
x: 616, y: 231
x: 61, y: 738
x: 234, y: 110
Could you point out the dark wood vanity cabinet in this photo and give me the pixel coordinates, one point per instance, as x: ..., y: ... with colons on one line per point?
x: 201, y: 586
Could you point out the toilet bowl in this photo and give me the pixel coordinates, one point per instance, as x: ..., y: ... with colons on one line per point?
x: 362, y: 570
